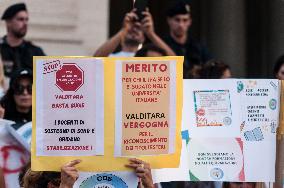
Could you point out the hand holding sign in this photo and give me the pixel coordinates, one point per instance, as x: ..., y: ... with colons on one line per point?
x: 69, y: 174
x: 2, y: 112
x: 143, y: 171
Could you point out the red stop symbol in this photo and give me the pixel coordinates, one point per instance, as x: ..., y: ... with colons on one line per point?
x: 70, y: 77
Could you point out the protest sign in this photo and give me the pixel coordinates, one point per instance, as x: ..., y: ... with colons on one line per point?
x: 22, y: 135
x: 13, y: 155
x: 259, y: 109
x: 222, y: 151
x: 70, y: 118
x: 259, y: 121
x: 145, y: 107
x: 242, y: 136
x: 106, y: 179
x: 216, y: 159
x: 58, y: 108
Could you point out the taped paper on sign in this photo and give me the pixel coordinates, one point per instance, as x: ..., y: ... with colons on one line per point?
x: 107, y: 179
x: 91, y: 160
x: 145, y: 107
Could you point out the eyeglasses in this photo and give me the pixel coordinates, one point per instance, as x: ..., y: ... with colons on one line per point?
x: 20, y: 89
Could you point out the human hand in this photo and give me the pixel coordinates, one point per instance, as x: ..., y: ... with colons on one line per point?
x: 69, y: 174
x: 147, y: 23
x: 129, y: 20
x: 2, y: 112
x: 143, y: 171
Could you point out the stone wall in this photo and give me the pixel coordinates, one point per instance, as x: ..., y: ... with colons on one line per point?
x: 65, y: 27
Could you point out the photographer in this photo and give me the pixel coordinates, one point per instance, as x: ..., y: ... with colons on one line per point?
x: 17, y: 102
x: 132, y: 35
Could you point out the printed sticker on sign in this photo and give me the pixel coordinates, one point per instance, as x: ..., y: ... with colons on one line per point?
x: 70, y: 77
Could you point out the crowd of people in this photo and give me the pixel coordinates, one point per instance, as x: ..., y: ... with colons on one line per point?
x: 16, y: 78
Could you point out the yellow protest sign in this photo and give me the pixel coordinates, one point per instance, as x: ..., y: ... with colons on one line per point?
x: 281, y: 118
x: 75, y: 112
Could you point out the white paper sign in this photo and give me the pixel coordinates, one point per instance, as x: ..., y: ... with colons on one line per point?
x: 216, y: 159
x: 231, y: 129
x: 145, y: 121
x: 211, y: 108
x: 174, y: 174
x: 69, y: 107
x: 13, y: 156
x: 226, y: 152
x: 106, y: 180
x: 260, y: 107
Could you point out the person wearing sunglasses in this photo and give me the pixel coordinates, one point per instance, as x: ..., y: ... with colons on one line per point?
x: 17, y: 102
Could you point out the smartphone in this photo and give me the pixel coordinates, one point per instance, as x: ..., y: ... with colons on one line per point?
x: 140, y: 6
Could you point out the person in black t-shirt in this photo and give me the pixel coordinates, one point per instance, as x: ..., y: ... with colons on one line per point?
x: 15, y: 51
x: 179, y: 21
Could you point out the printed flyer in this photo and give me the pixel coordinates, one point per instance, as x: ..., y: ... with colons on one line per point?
x: 70, y: 118
x: 145, y: 107
x: 106, y: 180
x: 211, y: 108
x: 260, y: 106
x: 216, y: 159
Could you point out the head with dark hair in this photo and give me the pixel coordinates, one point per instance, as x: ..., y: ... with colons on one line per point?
x: 178, y: 7
x: 150, y: 50
x: 16, y: 17
x: 278, y: 70
x: 134, y: 36
x: 18, y: 99
x: 215, y: 69
x: 12, y: 10
x: 179, y: 18
x: 239, y: 184
x: 23, y: 172
x: 33, y: 179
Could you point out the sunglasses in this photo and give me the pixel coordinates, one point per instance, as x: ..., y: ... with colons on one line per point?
x: 20, y: 89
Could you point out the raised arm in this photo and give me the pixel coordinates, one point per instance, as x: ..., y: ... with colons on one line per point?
x: 143, y: 172
x: 69, y: 174
x: 148, y: 28
x: 109, y: 46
